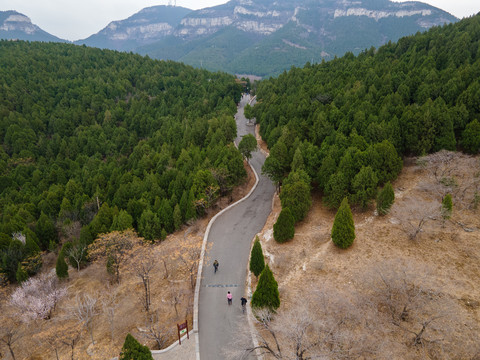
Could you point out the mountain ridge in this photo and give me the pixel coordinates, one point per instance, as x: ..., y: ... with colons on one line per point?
x: 264, y: 37
x: 294, y: 32
x: 146, y: 26
x: 17, y: 26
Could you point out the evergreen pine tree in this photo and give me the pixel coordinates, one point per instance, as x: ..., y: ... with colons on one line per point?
x: 266, y: 294
x: 133, y: 350
x: 385, y: 199
x: 31, y: 246
x: 21, y: 274
x: 45, y: 231
x: 61, y: 267
x: 471, y: 137
x: 284, y: 228
x: 343, y: 230
x: 122, y: 221
x: 177, y: 217
x: 257, y: 262
x: 190, y: 212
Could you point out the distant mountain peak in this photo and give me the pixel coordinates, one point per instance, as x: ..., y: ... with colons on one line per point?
x: 144, y: 27
x: 15, y: 21
x: 265, y: 37
x: 14, y: 25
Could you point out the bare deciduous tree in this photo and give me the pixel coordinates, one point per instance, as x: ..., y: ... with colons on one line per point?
x: 188, y: 253
x: 176, y: 295
x: 413, y: 223
x: 77, y: 253
x: 115, y: 247
x: 156, y: 332
x: 9, y: 335
x: 297, y: 335
x: 424, y: 313
x: 37, y: 297
x: 399, y: 291
x: 142, y: 271
x: 70, y: 337
x: 109, y: 306
x: 445, y: 169
x: 85, y: 310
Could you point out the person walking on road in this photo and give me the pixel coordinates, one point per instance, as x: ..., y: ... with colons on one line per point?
x: 215, y: 265
x: 229, y: 298
x: 244, y: 303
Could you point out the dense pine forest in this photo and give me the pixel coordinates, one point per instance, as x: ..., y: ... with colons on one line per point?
x: 345, y: 125
x: 94, y: 141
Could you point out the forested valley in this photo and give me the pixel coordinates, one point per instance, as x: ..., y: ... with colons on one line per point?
x: 95, y: 141
x: 344, y: 125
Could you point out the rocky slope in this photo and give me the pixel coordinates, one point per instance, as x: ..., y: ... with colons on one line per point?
x: 147, y: 26
x: 16, y: 26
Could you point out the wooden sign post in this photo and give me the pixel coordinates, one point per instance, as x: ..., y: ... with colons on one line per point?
x: 182, y: 329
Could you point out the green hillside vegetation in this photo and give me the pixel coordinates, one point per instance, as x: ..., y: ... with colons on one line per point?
x: 108, y: 140
x: 354, y: 118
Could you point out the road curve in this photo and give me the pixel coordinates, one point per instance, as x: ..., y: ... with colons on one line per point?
x: 229, y: 242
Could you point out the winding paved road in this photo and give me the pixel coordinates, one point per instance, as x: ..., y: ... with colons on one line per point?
x: 229, y: 242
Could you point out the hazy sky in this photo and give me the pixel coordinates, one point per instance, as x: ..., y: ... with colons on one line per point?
x: 78, y: 19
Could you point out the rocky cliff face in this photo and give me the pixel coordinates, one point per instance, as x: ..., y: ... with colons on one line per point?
x: 19, y: 22
x: 263, y: 19
x: 145, y: 27
x: 16, y: 26
x: 265, y: 37
x: 266, y: 17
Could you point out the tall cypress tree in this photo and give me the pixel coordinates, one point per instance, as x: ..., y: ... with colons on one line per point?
x: 284, y: 228
x: 343, y: 230
x: 61, y: 267
x: 257, y: 262
x: 266, y: 294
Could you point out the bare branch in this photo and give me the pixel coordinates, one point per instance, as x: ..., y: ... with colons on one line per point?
x: 85, y: 310
x: 142, y: 270
x: 156, y: 332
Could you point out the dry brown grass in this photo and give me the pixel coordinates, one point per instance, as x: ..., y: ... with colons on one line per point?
x: 451, y: 253
x: 171, y: 297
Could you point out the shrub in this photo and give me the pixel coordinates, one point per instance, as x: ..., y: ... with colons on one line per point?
x: 284, y: 228
x: 133, y: 350
x: 343, y: 230
x: 447, y: 206
x: 21, y: 274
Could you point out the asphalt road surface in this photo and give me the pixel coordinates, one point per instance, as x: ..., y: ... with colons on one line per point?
x: 229, y: 242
